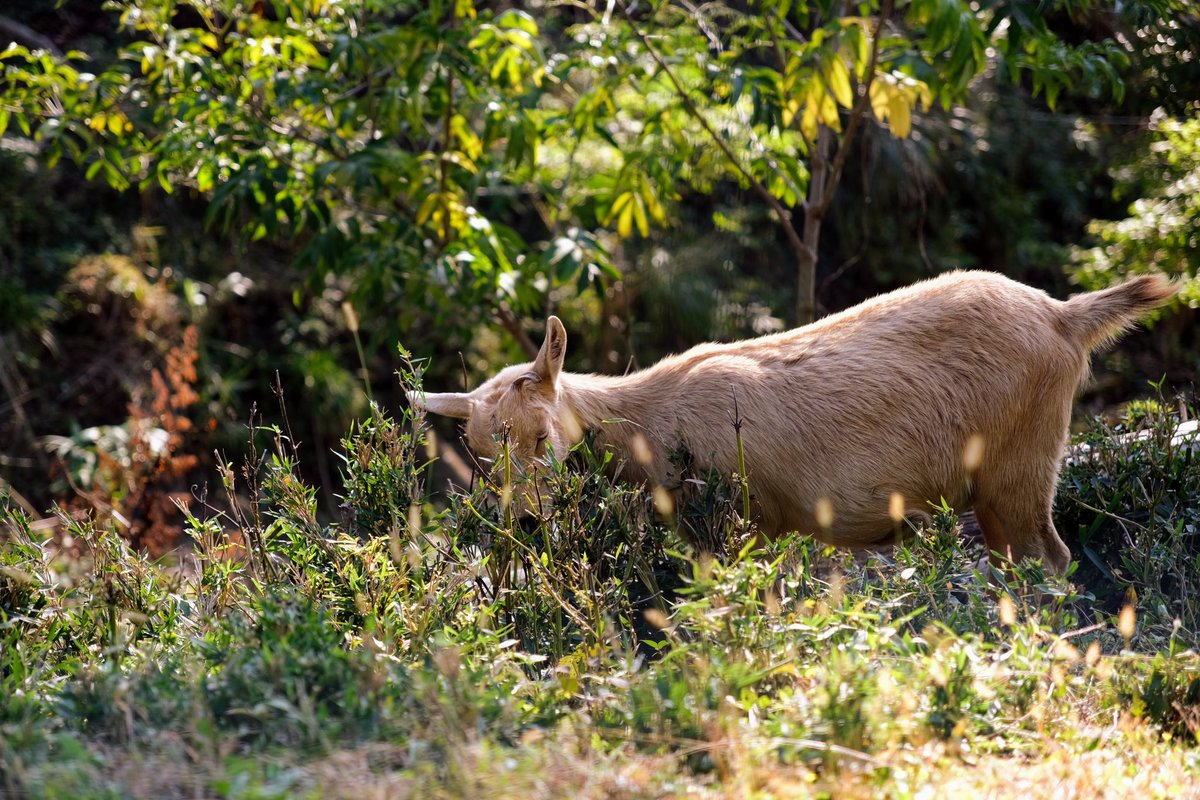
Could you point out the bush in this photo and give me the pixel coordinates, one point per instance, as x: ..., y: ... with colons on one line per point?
x: 1129, y: 508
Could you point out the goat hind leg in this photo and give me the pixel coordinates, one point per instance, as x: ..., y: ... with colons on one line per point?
x: 1018, y: 530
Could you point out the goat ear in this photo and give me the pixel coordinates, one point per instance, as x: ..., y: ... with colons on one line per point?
x: 528, y: 377
x: 449, y: 404
x: 549, y: 359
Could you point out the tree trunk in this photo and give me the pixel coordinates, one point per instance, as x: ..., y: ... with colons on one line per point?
x: 814, y: 213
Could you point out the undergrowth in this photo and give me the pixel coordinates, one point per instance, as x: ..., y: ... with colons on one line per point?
x: 596, y: 649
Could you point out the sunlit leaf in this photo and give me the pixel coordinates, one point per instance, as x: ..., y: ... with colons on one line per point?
x: 204, y: 177
x: 828, y: 112
x: 899, y: 114
x: 879, y: 95
x: 653, y: 206
x: 838, y: 81
x: 625, y: 220
x: 639, y: 216
x: 518, y: 20
x: 460, y: 160
x: 809, y: 119
x: 789, y: 110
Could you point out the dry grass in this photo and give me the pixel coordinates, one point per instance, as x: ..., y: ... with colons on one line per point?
x: 1125, y: 760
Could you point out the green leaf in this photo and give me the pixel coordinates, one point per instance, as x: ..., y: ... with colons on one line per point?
x: 483, y: 39
x: 564, y: 258
x: 204, y: 177
x: 518, y: 20
x: 500, y: 65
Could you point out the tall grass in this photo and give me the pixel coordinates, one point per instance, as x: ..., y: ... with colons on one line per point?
x: 598, y: 648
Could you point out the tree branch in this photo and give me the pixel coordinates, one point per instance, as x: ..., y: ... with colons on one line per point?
x: 771, y: 200
x: 26, y: 35
x: 856, y: 115
x: 513, y: 325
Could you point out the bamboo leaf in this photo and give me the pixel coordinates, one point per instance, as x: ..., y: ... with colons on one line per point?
x: 618, y: 205
x: 625, y: 221
x: 639, y: 216
x: 654, y: 207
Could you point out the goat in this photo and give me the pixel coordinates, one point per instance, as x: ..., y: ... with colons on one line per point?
x: 958, y: 388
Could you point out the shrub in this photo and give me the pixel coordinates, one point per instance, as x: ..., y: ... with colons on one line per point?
x: 1129, y: 508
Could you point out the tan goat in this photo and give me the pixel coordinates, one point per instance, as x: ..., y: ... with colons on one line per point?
x: 959, y: 387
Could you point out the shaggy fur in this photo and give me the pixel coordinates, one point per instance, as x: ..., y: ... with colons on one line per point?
x: 959, y: 387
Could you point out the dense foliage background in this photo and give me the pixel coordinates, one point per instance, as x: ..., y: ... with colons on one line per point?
x: 225, y: 225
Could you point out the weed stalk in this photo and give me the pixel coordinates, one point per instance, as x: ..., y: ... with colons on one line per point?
x: 742, y: 479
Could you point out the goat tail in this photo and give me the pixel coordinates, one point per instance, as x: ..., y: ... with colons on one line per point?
x: 1095, y: 319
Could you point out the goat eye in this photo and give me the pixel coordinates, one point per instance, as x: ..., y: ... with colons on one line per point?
x: 542, y: 437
